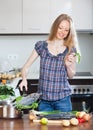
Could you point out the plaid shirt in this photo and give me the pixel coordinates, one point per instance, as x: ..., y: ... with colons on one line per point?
x: 53, y: 83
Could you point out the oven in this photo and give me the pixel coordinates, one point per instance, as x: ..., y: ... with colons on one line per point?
x: 82, y: 91
x: 82, y: 97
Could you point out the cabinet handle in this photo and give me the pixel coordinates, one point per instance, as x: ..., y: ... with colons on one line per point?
x: 3, y: 28
x: 33, y: 28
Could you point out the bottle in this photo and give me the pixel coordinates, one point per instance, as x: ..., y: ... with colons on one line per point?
x: 84, y: 106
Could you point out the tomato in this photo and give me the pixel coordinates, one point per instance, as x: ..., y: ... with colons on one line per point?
x: 81, y: 120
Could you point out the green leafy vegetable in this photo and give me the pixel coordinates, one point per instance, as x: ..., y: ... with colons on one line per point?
x: 45, y: 112
x: 78, y: 56
x: 51, y: 112
x: 74, y: 112
x: 6, y: 90
x: 2, y: 97
x: 18, y: 98
x: 33, y: 106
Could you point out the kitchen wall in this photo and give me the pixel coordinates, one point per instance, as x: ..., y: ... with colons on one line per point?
x: 15, y: 49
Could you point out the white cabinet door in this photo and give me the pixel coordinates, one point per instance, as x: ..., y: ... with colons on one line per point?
x: 59, y: 7
x: 10, y: 16
x: 82, y: 13
x: 80, y: 10
x: 36, y: 16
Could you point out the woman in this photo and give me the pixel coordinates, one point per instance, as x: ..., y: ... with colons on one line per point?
x: 57, y: 64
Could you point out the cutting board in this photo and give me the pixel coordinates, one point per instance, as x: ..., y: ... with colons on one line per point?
x: 54, y: 122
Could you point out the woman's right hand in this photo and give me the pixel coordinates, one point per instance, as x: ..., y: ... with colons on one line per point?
x: 23, y: 84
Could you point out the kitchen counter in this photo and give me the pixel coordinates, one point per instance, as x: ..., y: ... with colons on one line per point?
x: 25, y: 124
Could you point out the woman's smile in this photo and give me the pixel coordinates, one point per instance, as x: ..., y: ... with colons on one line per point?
x: 63, y: 29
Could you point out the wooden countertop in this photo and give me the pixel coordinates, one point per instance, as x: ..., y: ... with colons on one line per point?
x: 25, y: 124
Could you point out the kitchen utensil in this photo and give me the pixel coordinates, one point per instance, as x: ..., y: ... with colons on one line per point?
x: 8, y: 111
x: 24, y: 92
x: 5, y: 102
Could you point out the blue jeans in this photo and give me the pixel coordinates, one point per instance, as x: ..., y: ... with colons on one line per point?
x: 63, y: 105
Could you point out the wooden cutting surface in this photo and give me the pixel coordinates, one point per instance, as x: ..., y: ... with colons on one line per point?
x: 54, y: 122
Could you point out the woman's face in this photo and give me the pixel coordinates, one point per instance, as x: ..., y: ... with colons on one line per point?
x: 63, y: 30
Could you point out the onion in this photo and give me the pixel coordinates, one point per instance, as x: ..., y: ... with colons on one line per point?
x: 81, y: 114
x: 32, y: 116
x: 86, y: 117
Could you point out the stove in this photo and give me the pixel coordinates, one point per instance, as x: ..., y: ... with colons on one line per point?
x: 82, y: 89
x: 83, y: 74
x: 82, y: 83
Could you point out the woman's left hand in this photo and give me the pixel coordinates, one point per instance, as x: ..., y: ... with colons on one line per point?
x: 70, y: 59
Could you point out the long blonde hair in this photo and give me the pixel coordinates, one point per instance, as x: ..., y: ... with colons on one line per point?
x: 71, y: 39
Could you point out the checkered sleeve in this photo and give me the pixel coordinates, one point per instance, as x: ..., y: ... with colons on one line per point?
x: 39, y: 47
x: 73, y: 50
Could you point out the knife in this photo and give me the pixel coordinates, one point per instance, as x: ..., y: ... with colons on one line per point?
x: 24, y: 92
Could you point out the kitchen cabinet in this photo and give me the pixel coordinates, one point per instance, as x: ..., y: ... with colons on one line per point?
x: 36, y: 16
x: 10, y: 16
x: 60, y: 6
x: 81, y: 12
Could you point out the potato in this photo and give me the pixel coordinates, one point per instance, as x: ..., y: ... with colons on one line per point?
x: 13, y: 76
x: 17, y: 75
x: 9, y: 77
x: 4, y: 75
x: 74, y: 121
x: 65, y: 122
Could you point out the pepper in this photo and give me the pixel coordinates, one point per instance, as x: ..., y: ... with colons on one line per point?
x: 81, y: 120
x: 78, y: 56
